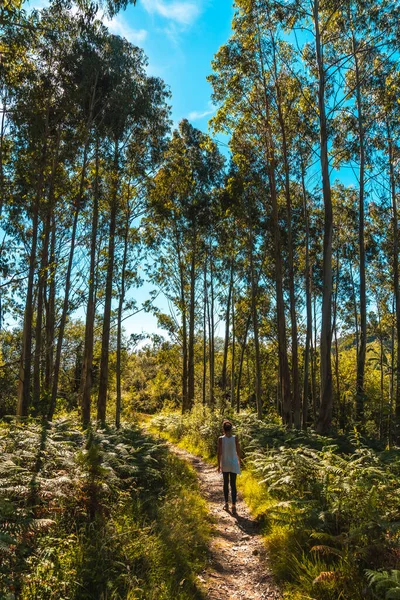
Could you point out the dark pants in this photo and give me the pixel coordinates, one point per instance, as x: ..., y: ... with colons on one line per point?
x: 233, y: 486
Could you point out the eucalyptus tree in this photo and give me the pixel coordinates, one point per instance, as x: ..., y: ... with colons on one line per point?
x: 40, y: 106
x: 244, y: 89
x: 179, y: 223
x: 137, y: 114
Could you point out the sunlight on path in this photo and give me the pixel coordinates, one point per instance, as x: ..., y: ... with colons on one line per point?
x: 238, y: 564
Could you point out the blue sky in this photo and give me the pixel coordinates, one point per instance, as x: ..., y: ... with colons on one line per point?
x: 180, y: 39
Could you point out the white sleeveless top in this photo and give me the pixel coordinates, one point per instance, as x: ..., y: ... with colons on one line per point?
x: 229, y: 458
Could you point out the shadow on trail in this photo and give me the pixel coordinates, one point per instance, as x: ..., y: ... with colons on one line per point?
x: 248, y: 526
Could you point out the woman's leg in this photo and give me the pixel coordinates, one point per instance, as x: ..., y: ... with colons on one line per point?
x: 233, y: 487
x: 226, y: 486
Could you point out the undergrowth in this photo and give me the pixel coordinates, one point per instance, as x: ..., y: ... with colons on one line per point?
x: 329, y: 506
x: 97, y: 515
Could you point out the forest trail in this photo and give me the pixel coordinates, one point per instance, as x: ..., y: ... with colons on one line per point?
x: 238, y: 562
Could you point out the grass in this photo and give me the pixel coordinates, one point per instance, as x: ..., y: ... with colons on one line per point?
x: 97, y: 515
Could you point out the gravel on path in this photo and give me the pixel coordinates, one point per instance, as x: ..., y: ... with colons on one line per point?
x: 238, y: 560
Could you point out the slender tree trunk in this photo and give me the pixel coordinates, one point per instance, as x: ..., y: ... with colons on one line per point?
x: 43, y: 275
x: 254, y: 312
x: 325, y: 411
x: 212, y: 333
x: 2, y: 133
x: 226, y: 344
x: 354, y: 298
x: 335, y: 337
x: 315, y: 396
x: 63, y: 321
x: 395, y: 281
x: 392, y: 376
x: 65, y: 309
x: 382, y: 378
x: 39, y: 317
x: 192, y: 324
x: 233, y: 357
x: 241, y: 361
x: 119, y: 325
x: 185, y: 405
x: 284, y: 372
x: 87, y: 368
x: 105, y: 342
x: 24, y: 385
x: 361, y: 356
x: 50, y: 308
x: 205, y: 334
x: 308, y: 305
x: 292, y: 296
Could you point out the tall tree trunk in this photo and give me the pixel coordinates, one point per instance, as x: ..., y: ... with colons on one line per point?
x: 226, y: 343
x: 254, y: 312
x: 355, y: 309
x: 87, y: 368
x: 43, y: 275
x: 382, y: 377
x: 212, y: 333
x: 308, y: 304
x: 395, y: 280
x: 335, y: 336
x: 205, y: 333
x: 192, y: 324
x: 325, y: 410
x: 24, y: 385
x: 392, y: 376
x: 314, y: 364
x: 284, y: 372
x: 185, y: 405
x: 65, y: 309
x: 292, y: 296
x: 50, y: 303
x: 105, y: 342
x: 119, y: 325
x: 233, y: 357
x: 241, y: 361
x: 361, y: 356
x: 2, y: 134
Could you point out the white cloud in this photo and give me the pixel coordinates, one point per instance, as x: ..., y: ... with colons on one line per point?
x: 119, y: 26
x: 184, y: 13
x: 195, y: 115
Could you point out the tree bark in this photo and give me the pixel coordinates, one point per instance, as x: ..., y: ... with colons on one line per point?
x: 24, y: 384
x: 361, y: 356
x: 308, y: 304
x: 50, y: 301
x: 105, y: 342
x: 226, y: 343
x: 233, y: 353
x: 292, y: 296
x: 395, y: 282
x: 119, y: 325
x: 87, y: 368
x: 192, y: 324
x: 254, y: 312
x: 205, y: 334
x: 241, y: 361
x: 325, y: 410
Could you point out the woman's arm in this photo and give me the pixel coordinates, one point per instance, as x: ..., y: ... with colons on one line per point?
x: 219, y: 454
x: 237, y: 447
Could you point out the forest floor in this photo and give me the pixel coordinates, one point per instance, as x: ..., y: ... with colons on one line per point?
x: 238, y: 560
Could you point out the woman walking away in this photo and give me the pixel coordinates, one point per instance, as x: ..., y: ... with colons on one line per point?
x: 229, y: 462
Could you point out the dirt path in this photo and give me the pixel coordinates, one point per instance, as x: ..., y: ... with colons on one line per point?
x: 238, y: 565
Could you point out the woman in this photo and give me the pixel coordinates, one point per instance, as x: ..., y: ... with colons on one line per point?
x: 229, y: 462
